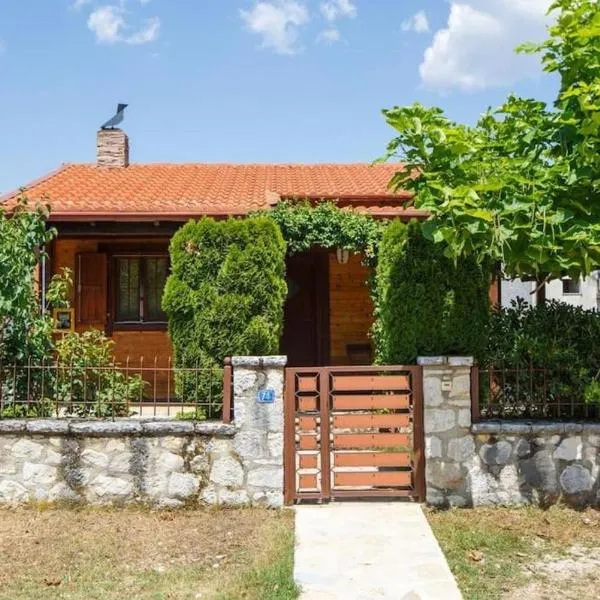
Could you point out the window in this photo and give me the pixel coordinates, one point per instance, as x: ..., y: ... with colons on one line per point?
x: 571, y: 286
x: 138, y: 287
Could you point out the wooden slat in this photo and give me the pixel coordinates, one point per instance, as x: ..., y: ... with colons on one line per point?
x: 307, y: 423
x: 307, y: 383
x: 371, y: 459
x: 372, y: 440
x: 369, y: 479
x: 307, y: 482
x: 370, y: 401
x: 368, y: 383
x: 308, y: 461
x: 307, y: 404
x: 308, y: 442
x: 370, y: 421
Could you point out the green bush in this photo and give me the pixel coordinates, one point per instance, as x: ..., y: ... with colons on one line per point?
x: 225, y: 295
x: 424, y: 303
x: 554, y: 336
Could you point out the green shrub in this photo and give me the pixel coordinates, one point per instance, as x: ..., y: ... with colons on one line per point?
x: 424, y: 303
x: 554, y: 336
x: 87, y: 382
x: 225, y: 295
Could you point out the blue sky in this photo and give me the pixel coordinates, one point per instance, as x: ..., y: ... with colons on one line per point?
x: 247, y: 80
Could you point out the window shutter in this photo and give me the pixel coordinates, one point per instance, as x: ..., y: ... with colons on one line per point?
x: 91, y: 288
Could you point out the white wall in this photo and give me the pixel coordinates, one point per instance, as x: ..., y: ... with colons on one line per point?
x: 589, y: 296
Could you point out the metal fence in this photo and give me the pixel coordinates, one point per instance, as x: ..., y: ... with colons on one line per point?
x: 139, y: 388
x: 529, y: 392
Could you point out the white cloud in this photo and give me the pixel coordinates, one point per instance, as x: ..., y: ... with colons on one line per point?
x: 107, y: 22
x: 337, y: 9
x: 148, y: 34
x: 476, y: 48
x: 417, y: 23
x: 329, y: 36
x: 110, y: 27
x: 277, y: 22
x: 77, y: 4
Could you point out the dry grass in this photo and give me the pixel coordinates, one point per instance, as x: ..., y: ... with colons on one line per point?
x: 135, y: 553
x: 503, y: 553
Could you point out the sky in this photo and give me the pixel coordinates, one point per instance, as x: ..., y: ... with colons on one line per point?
x: 246, y: 80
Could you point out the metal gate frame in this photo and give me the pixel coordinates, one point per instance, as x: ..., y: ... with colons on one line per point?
x: 324, y: 413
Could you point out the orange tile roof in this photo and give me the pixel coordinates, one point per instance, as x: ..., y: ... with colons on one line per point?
x: 179, y: 191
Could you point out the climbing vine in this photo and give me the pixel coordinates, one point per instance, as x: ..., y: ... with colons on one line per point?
x: 305, y: 225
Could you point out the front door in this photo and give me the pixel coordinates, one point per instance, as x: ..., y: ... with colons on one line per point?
x: 305, y: 338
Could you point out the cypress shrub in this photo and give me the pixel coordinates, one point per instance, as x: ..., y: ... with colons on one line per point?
x: 424, y: 303
x: 225, y: 295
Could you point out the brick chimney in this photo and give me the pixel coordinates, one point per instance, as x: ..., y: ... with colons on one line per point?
x: 112, y: 148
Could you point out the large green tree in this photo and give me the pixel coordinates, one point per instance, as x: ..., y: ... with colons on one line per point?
x: 25, y: 331
x: 521, y: 187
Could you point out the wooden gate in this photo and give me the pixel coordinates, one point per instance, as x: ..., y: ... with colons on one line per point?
x: 353, y: 432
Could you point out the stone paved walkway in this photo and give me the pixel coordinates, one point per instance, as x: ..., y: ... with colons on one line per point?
x: 369, y: 551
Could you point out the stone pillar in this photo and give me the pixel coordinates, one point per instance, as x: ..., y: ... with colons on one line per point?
x: 259, y: 440
x: 449, y: 444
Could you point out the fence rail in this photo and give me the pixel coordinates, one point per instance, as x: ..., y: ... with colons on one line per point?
x: 141, y: 388
x: 529, y: 392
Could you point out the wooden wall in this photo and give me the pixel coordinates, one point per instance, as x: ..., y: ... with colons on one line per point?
x: 350, y: 310
x: 132, y: 344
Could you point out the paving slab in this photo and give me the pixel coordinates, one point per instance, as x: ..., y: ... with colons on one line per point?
x: 369, y: 551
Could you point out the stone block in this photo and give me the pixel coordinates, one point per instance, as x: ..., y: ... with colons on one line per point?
x: 444, y: 475
x: 61, y: 492
x: 111, y: 487
x: 48, y: 426
x: 275, y: 444
x: 268, y: 498
x: 438, y: 420
x: 432, y: 391
x: 569, y: 449
x: 27, y: 450
x: 92, y: 458
x: 496, y: 454
x: 182, y: 486
x: 432, y: 361
x: 576, y: 479
x: 227, y: 471
x: 169, y: 462
x: 250, y: 445
x: 36, y: 475
x: 433, y: 447
x: 461, y: 449
x: 266, y: 477
x: 460, y: 361
x: 233, y: 497
x: 464, y: 417
x: 120, y: 462
x: 461, y: 387
x: 12, y: 492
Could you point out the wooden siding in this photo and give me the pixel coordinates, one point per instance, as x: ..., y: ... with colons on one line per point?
x: 149, y: 343
x: 350, y: 308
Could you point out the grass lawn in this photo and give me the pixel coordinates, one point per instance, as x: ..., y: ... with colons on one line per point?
x: 521, y: 553
x: 134, y: 553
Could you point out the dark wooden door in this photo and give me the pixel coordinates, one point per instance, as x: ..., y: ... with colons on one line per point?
x: 305, y: 338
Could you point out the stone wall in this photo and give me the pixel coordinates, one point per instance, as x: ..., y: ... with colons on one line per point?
x: 155, y: 462
x: 500, y: 462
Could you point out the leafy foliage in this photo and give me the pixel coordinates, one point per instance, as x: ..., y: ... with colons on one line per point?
x: 305, y: 226
x: 225, y: 294
x: 24, y: 332
x: 426, y: 304
x: 554, y: 336
x: 87, y: 381
x: 521, y: 186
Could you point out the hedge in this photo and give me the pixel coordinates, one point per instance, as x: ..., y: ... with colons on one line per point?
x: 226, y: 291
x: 424, y: 303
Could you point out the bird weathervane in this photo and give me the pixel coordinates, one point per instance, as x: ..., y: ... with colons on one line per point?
x: 116, y: 119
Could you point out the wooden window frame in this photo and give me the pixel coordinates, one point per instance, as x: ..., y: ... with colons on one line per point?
x: 113, y: 286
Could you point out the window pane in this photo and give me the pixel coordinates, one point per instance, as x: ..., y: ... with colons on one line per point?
x: 128, y: 293
x: 154, y: 284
